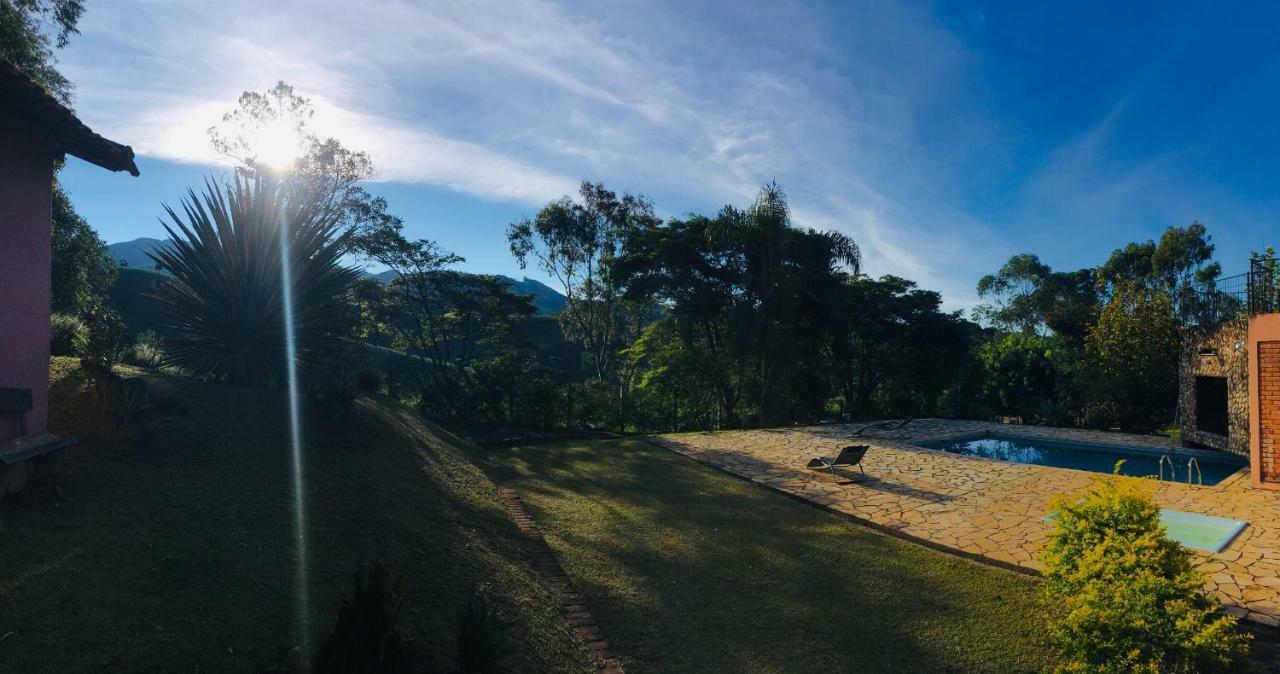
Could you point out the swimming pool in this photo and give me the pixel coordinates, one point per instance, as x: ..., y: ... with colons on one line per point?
x: 1138, y: 461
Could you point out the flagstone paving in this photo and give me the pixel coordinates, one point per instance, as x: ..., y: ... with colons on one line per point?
x: 992, y: 510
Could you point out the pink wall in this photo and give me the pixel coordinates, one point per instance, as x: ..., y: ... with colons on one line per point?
x: 26, y: 184
x: 1263, y: 328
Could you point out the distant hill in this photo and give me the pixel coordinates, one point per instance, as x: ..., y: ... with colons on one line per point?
x: 133, y: 254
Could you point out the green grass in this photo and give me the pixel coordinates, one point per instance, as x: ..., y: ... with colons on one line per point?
x: 175, y: 549
x: 690, y: 570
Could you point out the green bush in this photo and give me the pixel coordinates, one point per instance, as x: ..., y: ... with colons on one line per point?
x: 147, y: 350
x: 102, y: 343
x: 66, y: 331
x: 1122, y: 597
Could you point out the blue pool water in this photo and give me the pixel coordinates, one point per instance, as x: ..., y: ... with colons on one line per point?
x: 1215, y: 466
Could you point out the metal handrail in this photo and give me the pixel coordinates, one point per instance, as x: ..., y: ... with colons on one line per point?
x: 1173, y: 471
x: 1199, y: 475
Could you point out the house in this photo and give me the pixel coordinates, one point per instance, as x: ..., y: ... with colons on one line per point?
x: 1229, y: 370
x: 36, y: 132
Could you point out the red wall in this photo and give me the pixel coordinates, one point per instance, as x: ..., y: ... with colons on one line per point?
x: 26, y: 183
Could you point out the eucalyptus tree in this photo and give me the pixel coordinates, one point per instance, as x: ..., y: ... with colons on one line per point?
x: 576, y: 243
x: 269, y: 134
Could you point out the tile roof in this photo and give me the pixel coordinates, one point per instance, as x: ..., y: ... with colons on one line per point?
x: 23, y: 94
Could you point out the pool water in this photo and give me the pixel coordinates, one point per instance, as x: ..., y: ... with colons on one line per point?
x: 1139, y: 462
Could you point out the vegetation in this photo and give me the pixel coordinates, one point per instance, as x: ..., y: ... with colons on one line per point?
x: 186, y: 509
x: 1097, y: 346
x: 1122, y: 597
x: 225, y: 298
x: 687, y: 569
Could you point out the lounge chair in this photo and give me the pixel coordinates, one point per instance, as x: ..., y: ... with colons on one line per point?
x: 849, y: 456
x: 892, y: 426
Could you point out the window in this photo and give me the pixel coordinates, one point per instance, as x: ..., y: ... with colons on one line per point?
x: 1211, y: 405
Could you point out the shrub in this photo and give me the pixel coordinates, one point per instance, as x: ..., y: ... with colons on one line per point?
x: 1122, y: 597
x: 484, y: 639
x: 368, y: 381
x: 368, y: 636
x: 65, y: 331
x: 102, y: 343
x: 147, y: 350
x: 224, y: 300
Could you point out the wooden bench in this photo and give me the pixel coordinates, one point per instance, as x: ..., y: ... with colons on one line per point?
x: 26, y: 455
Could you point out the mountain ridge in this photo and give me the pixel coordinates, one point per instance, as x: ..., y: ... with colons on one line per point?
x: 133, y: 254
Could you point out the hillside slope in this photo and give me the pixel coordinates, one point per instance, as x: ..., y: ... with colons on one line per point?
x: 175, y: 550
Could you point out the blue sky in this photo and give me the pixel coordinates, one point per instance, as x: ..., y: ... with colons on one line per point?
x: 943, y: 137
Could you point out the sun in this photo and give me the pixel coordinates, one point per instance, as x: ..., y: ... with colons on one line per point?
x: 276, y: 145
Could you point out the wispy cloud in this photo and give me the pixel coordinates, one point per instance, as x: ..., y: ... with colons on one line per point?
x: 517, y: 100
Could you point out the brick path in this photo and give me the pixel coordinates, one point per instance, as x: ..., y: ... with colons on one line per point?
x: 986, y: 509
x: 583, y: 624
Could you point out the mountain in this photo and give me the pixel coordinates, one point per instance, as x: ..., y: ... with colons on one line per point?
x: 133, y: 254
x: 546, y: 300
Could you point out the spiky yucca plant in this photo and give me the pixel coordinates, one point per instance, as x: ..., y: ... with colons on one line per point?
x: 224, y: 300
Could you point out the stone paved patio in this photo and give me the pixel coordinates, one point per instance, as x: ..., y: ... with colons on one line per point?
x: 991, y: 510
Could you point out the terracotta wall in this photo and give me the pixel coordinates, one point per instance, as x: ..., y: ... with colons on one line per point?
x: 1264, y: 400
x: 26, y: 170
x: 1221, y: 351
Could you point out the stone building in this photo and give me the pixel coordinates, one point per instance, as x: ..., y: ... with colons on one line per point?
x: 1229, y: 383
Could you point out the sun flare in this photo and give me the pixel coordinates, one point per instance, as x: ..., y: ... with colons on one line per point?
x: 277, y: 145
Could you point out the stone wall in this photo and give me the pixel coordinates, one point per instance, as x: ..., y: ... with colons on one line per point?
x: 1216, y: 352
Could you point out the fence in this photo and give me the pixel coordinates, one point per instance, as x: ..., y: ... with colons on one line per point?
x: 1256, y: 291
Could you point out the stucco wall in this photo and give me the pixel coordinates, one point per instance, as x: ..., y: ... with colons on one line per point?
x: 26, y: 170
x: 1218, y: 352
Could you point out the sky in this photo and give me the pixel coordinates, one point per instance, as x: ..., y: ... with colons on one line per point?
x: 943, y: 137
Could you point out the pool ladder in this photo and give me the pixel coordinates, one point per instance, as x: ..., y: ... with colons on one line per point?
x: 1173, y: 471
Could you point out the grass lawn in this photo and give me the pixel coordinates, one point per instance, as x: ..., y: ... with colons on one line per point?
x: 690, y: 570
x: 175, y: 549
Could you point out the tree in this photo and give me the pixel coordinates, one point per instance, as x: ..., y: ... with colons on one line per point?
x: 893, y: 349
x: 751, y: 297
x: 30, y: 31
x: 576, y: 243
x: 458, y: 326
x: 1180, y: 261
x: 224, y: 300
x: 1021, y: 373
x: 1029, y: 296
x: 270, y: 128
x: 82, y: 269
x: 1132, y: 356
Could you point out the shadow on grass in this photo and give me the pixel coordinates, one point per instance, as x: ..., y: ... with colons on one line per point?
x: 691, y: 570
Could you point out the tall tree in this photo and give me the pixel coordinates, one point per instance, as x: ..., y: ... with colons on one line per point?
x: 1133, y: 356
x: 1182, y: 259
x: 30, y: 32
x: 577, y: 243
x: 83, y: 270
x: 271, y: 128
x: 1028, y: 295
x: 750, y: 294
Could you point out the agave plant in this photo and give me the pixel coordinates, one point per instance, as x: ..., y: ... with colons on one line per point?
x: 224, y: 300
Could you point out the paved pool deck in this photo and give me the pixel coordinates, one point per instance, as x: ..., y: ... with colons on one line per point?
x: 986, y: 509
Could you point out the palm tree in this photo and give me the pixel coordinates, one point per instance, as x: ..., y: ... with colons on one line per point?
x: 224, y: 300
